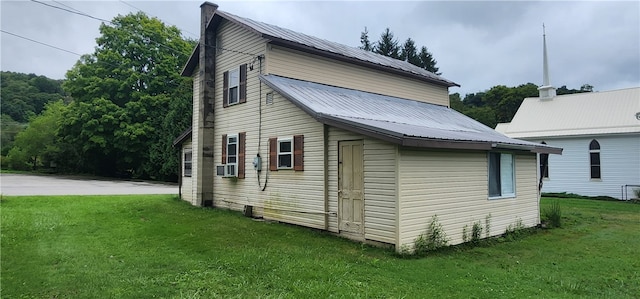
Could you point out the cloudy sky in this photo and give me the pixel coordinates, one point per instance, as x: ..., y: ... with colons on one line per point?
x: 477, y: 44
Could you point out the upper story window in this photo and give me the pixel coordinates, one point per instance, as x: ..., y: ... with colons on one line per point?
x: 286, y: 153
x: 234, y: 82
x: 501, y: 175
x: 234, y: 85
x: 544, y: 165
x: 594, y: 159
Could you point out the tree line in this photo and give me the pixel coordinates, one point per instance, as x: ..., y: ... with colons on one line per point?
x: 496, y: 105
x: 120, y: 107
x: 125, y: 102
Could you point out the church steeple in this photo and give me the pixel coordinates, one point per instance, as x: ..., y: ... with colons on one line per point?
x: 547, y: 92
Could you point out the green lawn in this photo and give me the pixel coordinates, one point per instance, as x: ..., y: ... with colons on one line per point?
x: 158, y: 246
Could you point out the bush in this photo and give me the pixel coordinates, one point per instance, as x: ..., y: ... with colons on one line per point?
x: 434, y: 238
x: 553, y: 214
x: 515, y: 230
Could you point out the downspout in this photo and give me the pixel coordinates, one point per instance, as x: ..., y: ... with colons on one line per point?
x: 180, y: 173
x: 325, y: 137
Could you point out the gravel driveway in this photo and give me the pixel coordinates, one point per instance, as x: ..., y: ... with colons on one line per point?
x: 25, y: 184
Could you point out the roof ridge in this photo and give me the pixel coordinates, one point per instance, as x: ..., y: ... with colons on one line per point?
x: 334, y: 48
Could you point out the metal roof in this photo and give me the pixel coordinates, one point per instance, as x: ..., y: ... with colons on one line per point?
x: 591, y: 113
x: 402, y: 121
x: 301, y: 41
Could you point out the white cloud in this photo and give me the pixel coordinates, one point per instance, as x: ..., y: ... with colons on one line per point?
x: 476, y: 44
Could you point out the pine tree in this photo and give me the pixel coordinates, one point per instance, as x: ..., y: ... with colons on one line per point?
x: 387, y: 45
x: 409, y: 53
x: 364, y: 40
x: 427, y: 62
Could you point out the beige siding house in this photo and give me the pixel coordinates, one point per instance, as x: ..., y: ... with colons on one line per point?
x: 293, y: 128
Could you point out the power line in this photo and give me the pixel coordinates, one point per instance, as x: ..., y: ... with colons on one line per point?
x: 78, y: 12
x: 177, y: 84
x: 38, y: 42
x: 60, y: 3
x: 73, y: 12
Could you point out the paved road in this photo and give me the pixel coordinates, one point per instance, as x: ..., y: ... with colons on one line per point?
x: 22, y: 184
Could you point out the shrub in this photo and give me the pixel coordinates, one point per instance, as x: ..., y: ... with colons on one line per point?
x: 434, y: 238
x: 515, y: 230
x: 636, y: 192
x: 553, y: 214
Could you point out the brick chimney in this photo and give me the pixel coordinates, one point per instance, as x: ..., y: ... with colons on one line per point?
x: 203, y: 116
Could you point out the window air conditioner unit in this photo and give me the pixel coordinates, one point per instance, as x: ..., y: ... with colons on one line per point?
x: 226, y: 170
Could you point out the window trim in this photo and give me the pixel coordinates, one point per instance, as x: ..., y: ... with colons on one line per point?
x: 241, y: 86
x: 595, y: 148
x: 187, y: 152
x: 279, y: 153
x: 297, y: 147
x: 513, y: 176
x: 229, y: 136
x: 231, y: 86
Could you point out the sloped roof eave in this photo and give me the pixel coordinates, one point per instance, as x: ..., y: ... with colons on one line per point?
x: 192, y: 62
x: 402, y: 139
x: 186, y: 134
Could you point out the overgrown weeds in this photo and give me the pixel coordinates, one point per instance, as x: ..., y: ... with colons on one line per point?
x: 553, y: 214
x: 433, y: 239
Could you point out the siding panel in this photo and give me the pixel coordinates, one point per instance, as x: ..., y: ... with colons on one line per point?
x: 453, y: 185
x: 294, y: 64
x: 379, y: 187
x: 290, y: 196
x: 570, y: 172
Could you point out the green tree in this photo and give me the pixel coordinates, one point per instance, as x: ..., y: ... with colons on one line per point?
x: 427, y: 62
x: 364, y: 40
x: 25, y: 95
x: 10, y: 128
x: 409, y: 53
x: 387, y: 45
x: 37, y: 143
x: 122, y: 94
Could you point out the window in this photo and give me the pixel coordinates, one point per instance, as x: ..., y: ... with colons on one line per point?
x: 186, y: 163
x: 286, y: 153
x: 234, y: 85
x: 232, y: 149
x: 501, y: 175
x: 233, y: 152
x: 234, y: 82
x: 544, y: 165
x: 594, y: 159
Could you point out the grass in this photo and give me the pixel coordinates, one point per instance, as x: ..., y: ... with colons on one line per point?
x: 158, y: 246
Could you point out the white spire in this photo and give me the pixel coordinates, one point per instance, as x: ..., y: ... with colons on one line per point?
x: 546, y: 91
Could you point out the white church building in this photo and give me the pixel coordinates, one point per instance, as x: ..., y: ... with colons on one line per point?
x: 599, y: 132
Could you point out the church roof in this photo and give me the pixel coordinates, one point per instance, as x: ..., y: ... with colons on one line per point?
x: 591, y: 113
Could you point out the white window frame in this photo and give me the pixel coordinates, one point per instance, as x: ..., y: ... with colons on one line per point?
x: 232, y: 85
x: 187, y: 152
x: 503, y: 193
x: 591, y: 164
x: 229, y: 153
x: 279, y: 153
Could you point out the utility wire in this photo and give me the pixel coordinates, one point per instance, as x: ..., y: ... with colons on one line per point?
x: 73, y: 12
x: 177, y: 84
x: 67, y: 6
x: 38, y: 42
